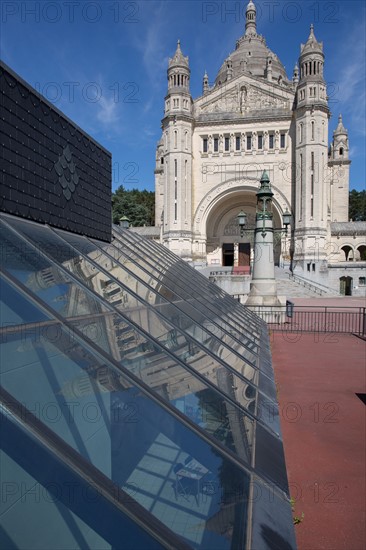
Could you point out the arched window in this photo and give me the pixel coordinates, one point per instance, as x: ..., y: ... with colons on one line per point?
x: 175, y: 139
x: 175, y: 190
x: 312, y: 165
x: 312, y: 130
x: 348, y: 253
x: 361, y: 253
x: 185, y: 189
x: 301, y: 188
x: 186, y: 140
x: 346, y: 284
x: 341, y: 151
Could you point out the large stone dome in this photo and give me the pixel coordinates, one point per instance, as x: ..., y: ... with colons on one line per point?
x: 253, y: 57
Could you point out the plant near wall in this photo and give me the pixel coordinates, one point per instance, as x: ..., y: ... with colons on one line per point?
x: 296, y: 519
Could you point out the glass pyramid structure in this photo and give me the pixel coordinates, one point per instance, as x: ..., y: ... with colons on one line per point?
x: 138, y: 404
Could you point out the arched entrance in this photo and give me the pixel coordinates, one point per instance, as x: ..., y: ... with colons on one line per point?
x: 345, y: 286
x: 225, y: 245
x: 237, y: 248
x: 231, y: 251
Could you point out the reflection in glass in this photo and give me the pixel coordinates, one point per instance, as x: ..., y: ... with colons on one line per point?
x: 108, y: 285
x: 111, y: 348
x: 140, y: 355
x: 101, y: 414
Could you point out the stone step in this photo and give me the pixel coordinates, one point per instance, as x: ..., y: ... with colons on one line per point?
x: 290, y: 288
x: 286, y: 286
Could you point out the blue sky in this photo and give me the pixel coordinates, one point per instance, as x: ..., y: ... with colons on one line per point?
x: 103, y: 63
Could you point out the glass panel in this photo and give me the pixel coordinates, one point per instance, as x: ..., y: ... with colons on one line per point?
x: 53, y: 506
x: 187, y: 305
x: 140, y: 355
x: 197, y: 329
x: 143, y: 356
x: 126, y: 273
x: 272, y: 521
x: 270, y: 458
x: 166, y: 261
x: 206, y: 293
x: 174, y: 474
x: 47, y: 280
x: 13, y: 315
x: 46, y: 371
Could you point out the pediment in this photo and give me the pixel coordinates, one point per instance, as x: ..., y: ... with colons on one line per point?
x: 243, y: 97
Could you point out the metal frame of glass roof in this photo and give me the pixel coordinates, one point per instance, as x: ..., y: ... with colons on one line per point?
x: 195, y: 438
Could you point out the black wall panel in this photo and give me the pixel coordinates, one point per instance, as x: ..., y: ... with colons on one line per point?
x: 51, y: 171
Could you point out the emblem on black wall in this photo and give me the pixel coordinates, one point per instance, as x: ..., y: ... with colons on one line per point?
x: 67, y: 173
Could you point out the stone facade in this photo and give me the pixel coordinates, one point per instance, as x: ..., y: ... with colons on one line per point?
x: 214, y: 149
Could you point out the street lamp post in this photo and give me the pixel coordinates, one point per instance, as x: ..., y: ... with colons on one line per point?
x: 242, y: 222
x: 124, y: 222
x: 263, y: 287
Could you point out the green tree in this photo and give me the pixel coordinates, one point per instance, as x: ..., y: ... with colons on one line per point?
x: 138, y: 206
x: 357, y: 205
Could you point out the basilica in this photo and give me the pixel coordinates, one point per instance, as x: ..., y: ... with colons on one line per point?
x: 214, y: 149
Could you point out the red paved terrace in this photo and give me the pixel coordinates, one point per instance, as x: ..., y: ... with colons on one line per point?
x: 323, y: 425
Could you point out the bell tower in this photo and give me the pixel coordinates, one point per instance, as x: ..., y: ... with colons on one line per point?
x: 311, y: 115
x: 174, y: 180
x: 339, y: 164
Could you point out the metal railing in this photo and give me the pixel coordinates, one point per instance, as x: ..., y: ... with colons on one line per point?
x: 317, y: 288
x: 245, y: 270
x: 328, y: 319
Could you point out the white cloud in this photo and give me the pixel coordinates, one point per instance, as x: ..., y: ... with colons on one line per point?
x: 152, y: 44
x: 354, y: 151
x: 148, y: 105
x: 350, y: 93
x: 107, y: 111
x: 149, y: 133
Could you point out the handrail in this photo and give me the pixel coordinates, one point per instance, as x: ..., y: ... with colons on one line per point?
x: 315, y: 287
x: 312, y: 318
x: 320, y: 309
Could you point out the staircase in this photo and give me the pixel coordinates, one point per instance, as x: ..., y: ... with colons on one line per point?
x: 290, y: 288
x: 286, y: 285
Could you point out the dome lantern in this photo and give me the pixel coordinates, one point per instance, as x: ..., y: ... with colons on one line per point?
x: 250, y: 19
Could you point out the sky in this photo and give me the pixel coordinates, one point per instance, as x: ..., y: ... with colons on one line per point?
x: 103, y: 63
